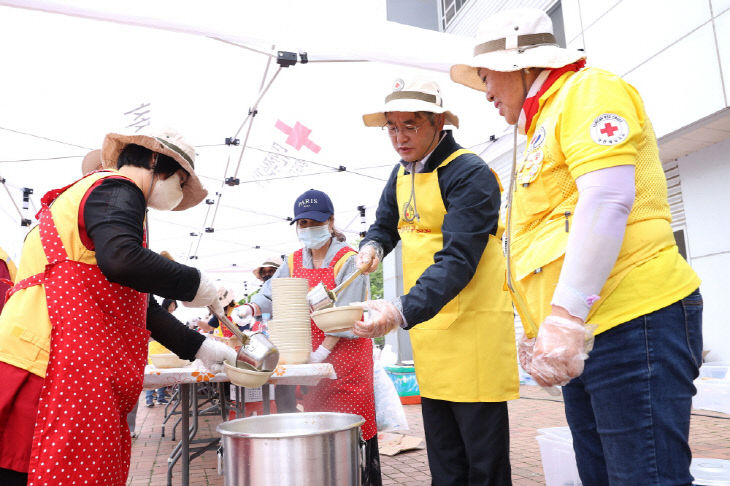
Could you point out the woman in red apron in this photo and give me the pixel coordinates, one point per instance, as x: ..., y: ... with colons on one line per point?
x: 326, y: 258
x: 73, y: 333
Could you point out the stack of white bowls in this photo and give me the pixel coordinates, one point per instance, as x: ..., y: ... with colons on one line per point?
x: 290, y: 329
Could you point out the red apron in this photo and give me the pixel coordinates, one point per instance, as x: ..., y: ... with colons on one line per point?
x: 95, y: 371
x: 352, y: 391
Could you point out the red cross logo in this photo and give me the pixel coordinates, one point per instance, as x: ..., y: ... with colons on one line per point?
x: 298, y: 136
x: 608, y: 129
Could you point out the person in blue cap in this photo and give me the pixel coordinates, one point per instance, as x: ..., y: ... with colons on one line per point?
x: 325, y: 257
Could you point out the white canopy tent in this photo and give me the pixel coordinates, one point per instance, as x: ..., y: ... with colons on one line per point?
x: 210, y: 70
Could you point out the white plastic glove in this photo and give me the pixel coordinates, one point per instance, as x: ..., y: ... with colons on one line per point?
x: 243, y: 314
x: 560, y: 351
x: 369, y: 257
x: 383, y: 317
x: 319, y: 355
x: 212, y: 353
x: 525, y: 349
x: 206, y: 296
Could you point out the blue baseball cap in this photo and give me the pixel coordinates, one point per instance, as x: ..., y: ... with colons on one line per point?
x: 313, y: 204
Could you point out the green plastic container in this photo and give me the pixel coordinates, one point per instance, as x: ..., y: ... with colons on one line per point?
x: 404, y: 379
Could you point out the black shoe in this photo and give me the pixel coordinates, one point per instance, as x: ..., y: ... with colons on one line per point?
x: 150, y: 404
x: 162, y: 402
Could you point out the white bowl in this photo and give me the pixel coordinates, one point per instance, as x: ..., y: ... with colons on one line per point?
x: 168, y: 360
x: 246, y: 378
x: 336, y: 319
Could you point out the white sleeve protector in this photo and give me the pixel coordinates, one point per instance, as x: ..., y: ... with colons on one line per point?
x: 605, y: 198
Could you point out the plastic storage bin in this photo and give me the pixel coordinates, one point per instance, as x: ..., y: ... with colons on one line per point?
x: 710, y: 472
x: 558, y: 458
x: 404, y: 379
x: 713, y: 388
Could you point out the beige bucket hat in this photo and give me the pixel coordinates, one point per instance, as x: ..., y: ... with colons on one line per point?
x: 91, y: 162
x: 271, y: 262
x: 412, y: 96
x: 512, y: 40
x: 163, y: 141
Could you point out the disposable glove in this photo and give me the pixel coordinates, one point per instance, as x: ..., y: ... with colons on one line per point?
x: 560, y: 351
x: 319, y: 355
x: 243, y: 314
x: 525, y: 348
x: 206, y: 296
x: 369, y: 257
x: 383, y: 317
x: 212, y: 353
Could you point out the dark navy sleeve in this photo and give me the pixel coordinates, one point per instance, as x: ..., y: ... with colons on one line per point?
x: 114, y: 219
x: 472, y: 198
x: 384, y: 230
x: 171, y: 333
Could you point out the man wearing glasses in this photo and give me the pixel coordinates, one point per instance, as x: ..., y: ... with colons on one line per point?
x: 442, y: 202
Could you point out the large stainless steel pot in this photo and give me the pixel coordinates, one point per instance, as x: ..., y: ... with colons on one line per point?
x: 287, y: 449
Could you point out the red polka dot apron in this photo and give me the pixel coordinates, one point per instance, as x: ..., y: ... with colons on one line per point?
x: 352, y: 359
x: 95, y: 372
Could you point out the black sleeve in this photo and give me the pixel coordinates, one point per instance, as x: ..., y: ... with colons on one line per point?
x: 472, y: 198
x: 385, y: 228
x: 171, y: 333
x: 114, y: 220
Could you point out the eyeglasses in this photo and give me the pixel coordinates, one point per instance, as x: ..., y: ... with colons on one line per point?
x: 408, y: 130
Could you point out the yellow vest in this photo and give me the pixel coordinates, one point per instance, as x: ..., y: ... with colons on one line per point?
x: 11, y: 266
x: 649, y: 272
x: 25, y: 328
x: 466, y: 353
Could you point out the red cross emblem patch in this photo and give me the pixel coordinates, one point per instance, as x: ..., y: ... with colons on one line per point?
x: 609, y: 129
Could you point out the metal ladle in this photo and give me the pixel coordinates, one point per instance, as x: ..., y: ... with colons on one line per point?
x: 257, y: 352
x: 320, y: 297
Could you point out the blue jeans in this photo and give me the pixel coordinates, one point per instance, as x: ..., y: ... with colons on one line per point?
x: 629, y: 411
x: 150, y: 395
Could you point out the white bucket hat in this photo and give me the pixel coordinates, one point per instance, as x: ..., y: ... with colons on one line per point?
x: 512, y: 40
x: 226, y: 296
x: 163, y: 141
x: 412, y: 96
x: 271, y: 262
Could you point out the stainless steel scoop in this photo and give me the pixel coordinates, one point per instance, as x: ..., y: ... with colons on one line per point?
x: 257, y: 351
x: 320, y: 297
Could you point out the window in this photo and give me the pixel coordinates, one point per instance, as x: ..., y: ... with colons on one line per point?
x: 449, y: 9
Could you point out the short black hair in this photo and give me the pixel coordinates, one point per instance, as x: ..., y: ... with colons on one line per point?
x: 166, y: 304
x: 139, y: 156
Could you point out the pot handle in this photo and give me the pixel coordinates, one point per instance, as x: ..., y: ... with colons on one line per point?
x: 363, y: 455
x: 219, y: 453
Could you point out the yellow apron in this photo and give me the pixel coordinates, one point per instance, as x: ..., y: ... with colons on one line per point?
x: 466, y: 353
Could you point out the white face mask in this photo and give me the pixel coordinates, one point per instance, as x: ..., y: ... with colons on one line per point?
x: 314, y: 237
x: 166, y: 194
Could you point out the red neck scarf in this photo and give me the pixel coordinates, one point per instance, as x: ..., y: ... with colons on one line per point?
x: 532, y: 102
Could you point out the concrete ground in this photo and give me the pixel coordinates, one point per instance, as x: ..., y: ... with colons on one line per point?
x: 709, y: 437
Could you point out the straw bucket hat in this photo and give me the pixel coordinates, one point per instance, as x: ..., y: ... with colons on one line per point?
x: 91, y: 162
x: 271, y: 262
x: 163, y: 141
x: 512, y: 40
x: 411, y: 96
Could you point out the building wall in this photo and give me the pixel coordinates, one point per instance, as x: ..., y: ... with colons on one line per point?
x: 704, y: 177
x: 679, y: 62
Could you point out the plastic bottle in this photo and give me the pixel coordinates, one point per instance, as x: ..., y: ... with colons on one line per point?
x: 265, y: 318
